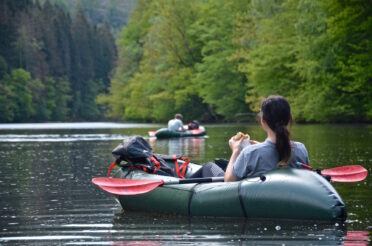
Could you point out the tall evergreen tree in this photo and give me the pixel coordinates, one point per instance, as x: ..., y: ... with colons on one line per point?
x: 105, y: 53
x: 62, y: 99
x: 82, y: 70
x: 43, y: 40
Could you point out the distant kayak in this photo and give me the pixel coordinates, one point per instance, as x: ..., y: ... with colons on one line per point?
x: 166, y: 133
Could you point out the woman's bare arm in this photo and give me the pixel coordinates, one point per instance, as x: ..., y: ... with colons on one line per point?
x: 235, y: 146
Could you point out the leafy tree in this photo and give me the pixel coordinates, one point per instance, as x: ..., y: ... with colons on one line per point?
x: 220, y: 83
x: 130, y: 48
x: 7, y: 105
x: 350, y: 36
x: 168, y: 46
x: 334, y: 39
x: 207, y: 59
x: 271, y: 50
x: 20, y: 95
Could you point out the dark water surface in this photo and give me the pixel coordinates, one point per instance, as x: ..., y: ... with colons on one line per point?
x: 46, y: 195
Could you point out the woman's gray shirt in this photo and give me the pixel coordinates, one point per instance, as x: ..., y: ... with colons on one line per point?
x: 257, y: 159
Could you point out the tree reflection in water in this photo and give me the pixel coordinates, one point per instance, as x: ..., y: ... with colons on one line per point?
x: 187, y: 146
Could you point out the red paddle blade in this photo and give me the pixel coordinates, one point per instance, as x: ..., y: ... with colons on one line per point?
x: 344, y: 170
x: 126, y: 187
x: 352, y: 173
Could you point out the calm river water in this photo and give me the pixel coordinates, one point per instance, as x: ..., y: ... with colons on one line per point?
x: 46, y: 194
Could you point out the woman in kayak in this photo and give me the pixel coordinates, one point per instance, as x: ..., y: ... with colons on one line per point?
x: 275, y: 152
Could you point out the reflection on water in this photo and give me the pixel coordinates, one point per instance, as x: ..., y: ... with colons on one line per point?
x: 46, y: 194
x: 229, y: 230
x: 357, y: 238
x: 59, y: 137
x: 194, y: 147
x: 77, y: 125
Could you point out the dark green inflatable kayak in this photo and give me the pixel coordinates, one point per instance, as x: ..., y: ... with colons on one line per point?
x: 284, y: 194
x: 165, y: 133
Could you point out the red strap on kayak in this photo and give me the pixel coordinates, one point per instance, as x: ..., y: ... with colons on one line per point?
x: 109, y: 169
x: 156, y: 162
x: 177, y: 166
x: 181, y: 170
x: 184, y: 165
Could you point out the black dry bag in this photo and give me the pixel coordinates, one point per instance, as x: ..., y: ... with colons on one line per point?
x: 137, y: 153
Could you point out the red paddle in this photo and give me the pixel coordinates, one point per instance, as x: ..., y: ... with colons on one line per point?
x: 125, y: 187
x: 351, y: 173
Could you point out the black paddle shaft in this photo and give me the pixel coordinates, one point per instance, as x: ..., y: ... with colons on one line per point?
x: 202, y: 180
x: 195, y: 180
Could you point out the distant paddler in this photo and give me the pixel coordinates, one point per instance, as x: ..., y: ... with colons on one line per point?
x: 176, y: 124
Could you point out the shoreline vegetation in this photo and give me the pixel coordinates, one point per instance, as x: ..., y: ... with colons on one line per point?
x: 213, y: 61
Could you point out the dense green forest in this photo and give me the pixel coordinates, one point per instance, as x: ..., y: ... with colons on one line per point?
x: 213, y: 60
x: 210, y: 60
x: 52, y: 65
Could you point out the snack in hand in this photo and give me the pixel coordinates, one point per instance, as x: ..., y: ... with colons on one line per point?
x: 240, y: 135
x: 245, y: 137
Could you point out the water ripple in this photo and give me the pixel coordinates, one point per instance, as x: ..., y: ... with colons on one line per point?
x: 59, y: 137
x: 77, y: 125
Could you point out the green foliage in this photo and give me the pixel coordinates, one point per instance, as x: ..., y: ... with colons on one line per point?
x: 20, y: 85
x: 130, y: 49
x: 7, y: 106
x: 212, y: 60
x: 172, y: 74
x: 333, y: 61
x: 350, y: 32
x: 209, y: 60
x: 219, y: 82
x: 26, y: 99
x: 271, y: 52
x: 60, y: 54
x: 167, y: 58
x: 62, y: 99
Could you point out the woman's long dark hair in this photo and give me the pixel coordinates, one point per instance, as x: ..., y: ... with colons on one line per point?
x: 276, y: 112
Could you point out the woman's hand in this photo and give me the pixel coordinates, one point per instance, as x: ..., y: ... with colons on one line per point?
x: 235, y: 145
